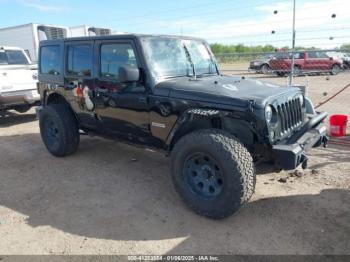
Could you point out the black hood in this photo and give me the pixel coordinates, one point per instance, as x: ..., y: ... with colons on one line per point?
x: 223, y: 90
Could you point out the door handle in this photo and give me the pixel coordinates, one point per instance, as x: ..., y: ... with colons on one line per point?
x: 142, y: 99
x: 101, y: 90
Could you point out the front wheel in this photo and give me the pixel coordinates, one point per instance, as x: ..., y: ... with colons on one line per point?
x: 59, y: 130
x: 213, y: 172
x: 335, y: 69
x: 265, y: 69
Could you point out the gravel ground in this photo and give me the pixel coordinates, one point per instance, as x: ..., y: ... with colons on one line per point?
x: 111, y: 198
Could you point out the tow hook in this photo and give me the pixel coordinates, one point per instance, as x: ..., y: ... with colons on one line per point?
x: 304, y: 162
x: 325, y: 140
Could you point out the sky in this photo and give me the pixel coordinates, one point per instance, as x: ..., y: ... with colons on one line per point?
x: 249, y: 22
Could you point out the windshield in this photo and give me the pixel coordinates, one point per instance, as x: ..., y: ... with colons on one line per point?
x: 173, y: 57
x: 13, y: 57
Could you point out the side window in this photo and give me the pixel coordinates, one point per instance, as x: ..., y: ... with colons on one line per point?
x: 79, y: 60
x: 50, y: 60
x: 312, y: 55
x: 321, y: 55
x: 299, y: 56
x: 113, y: 56
x: 3, y: 58
x: 16, y: 57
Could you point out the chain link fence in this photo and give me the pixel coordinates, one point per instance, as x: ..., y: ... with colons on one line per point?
x: 324, y: 73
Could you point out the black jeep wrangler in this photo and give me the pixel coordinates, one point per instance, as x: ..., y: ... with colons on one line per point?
x: 167, y: 93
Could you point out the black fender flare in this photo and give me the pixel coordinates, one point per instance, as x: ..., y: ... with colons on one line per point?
x: 209, y: 114
x: 62, y: 99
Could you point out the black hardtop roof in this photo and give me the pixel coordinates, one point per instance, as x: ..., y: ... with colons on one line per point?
x: 112, y: 37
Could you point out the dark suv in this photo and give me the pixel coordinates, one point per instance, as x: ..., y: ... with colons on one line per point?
x: 167, y: 93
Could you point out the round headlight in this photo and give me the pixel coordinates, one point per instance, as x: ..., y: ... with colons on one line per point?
x: 301, y: 99
x: 268, y: 114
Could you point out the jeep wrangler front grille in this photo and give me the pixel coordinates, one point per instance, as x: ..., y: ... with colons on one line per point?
x: 290, y: 115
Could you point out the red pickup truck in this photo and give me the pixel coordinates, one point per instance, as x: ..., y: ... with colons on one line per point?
x: 305, y: 62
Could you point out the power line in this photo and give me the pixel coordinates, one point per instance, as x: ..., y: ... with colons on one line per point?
x: 243, y: 25
x: 279, y: 33
x: 289, y: 39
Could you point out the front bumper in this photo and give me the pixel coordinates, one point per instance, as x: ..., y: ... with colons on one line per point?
x: 13, y: 98
x: 254, y: 68
x: 289, y: 156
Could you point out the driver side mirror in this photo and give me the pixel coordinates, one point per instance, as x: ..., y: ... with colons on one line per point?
x: 128, y: 74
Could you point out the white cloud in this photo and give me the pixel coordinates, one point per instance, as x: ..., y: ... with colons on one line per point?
x: 312, y: 17
x: 40, y: 6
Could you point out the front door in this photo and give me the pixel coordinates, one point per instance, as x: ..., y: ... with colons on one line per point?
x: 123, y: 108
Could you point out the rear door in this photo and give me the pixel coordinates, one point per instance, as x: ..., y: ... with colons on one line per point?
x: 325, y: 62
x: 79, y: 82
x: 317, y: 61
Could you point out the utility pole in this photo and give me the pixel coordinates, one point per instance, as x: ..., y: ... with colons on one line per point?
x: 293, y: 48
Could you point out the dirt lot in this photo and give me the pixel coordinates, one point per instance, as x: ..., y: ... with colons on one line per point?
x: 111, y: 198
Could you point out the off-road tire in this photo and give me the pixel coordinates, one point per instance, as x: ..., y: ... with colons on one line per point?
x: 233, y: 158
x: 67, y: 138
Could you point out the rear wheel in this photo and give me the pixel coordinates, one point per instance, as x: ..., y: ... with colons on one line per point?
x: 297, y: 70
x: 335, y: 69
x: 281, y: 73
x: 213, y: 172
x: 265, y: 69
x: 59, y: 130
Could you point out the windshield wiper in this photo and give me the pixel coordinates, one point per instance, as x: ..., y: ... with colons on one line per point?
x: 190, y: 60
x: 168, y: 77
x: 206, y: 74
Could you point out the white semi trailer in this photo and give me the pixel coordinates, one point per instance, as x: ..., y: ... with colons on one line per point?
x: 84, y: 30
x: 28, y: 36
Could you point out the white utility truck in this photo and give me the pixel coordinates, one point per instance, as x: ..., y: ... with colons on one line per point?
x: 18, y: 80
x: 28, y: 36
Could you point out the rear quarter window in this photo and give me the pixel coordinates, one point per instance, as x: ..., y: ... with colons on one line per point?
x: 50, y: 60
